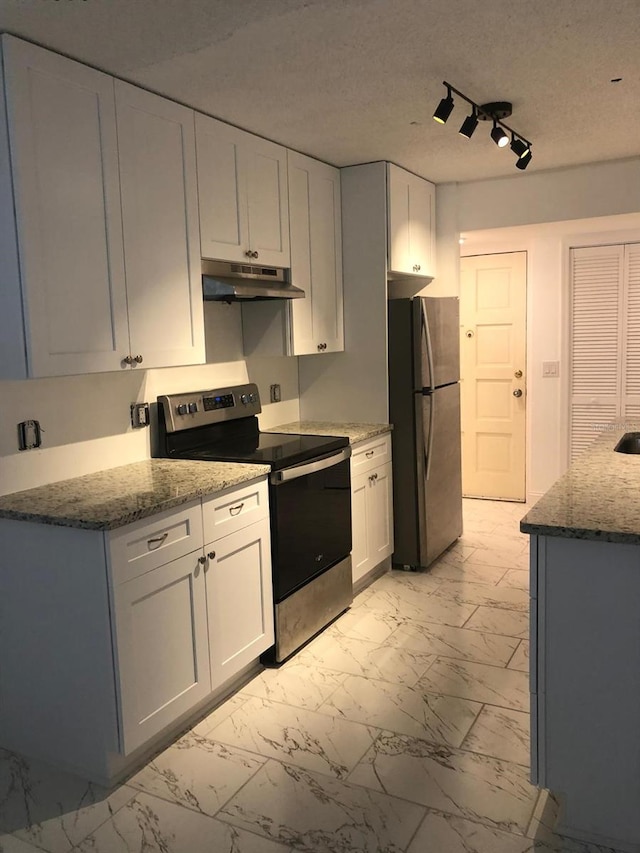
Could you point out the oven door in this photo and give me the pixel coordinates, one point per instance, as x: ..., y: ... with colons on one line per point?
x: 310, y: 520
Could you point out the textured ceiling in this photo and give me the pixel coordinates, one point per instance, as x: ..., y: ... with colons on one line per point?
x: 351, y: 81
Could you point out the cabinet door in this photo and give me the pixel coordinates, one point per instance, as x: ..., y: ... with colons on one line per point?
x: 372, y: 519
x: 161, y: 647
x: 156, y: 141
x: 411, y: 224
x: 381, y: 513
x: 239, y: 600
x: 361, y: 561
x: 267, y: 201
x: 222, y: 193
x: 64, y: 156
x: 316, y: 256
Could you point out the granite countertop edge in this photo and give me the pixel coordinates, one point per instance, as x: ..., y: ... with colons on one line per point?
x: 49, y: 504
x: 597, y: 499
x: 353, y: 430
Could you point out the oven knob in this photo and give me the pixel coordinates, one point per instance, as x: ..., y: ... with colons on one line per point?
x: 244, y: 399
x: 182, y: 409
x: 252, y: 398
x: 193, y: 407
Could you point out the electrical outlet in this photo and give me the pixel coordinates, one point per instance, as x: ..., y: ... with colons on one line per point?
x: 29, y: 435
x: 139, y: 415
x: 275, y: 395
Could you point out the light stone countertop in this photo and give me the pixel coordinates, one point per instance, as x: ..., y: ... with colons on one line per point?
x: 598, y: 497
x: 118, y: 496
x: 355, y: 432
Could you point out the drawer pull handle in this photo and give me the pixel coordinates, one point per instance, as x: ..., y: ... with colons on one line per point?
x: 157, y: 540
x: 234, y: 510
x: 369, y: 453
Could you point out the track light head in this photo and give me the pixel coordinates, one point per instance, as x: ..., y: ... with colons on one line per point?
x: 469, y: 124
x: 524, y: 161
x: 499, y: 136
x: 519, y: 146
x: 444, y: 108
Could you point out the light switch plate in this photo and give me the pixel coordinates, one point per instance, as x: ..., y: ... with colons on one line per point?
x: 550, y: 368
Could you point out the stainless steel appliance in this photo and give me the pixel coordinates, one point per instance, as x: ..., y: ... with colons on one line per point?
x: 424, y: 404
x: 224, y: 281
x: 309, y: 496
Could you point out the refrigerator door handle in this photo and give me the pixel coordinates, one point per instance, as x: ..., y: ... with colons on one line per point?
x: 429, y: 442
x: 426, y: 344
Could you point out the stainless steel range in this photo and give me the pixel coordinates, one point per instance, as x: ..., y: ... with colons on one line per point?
x: 309, y: 495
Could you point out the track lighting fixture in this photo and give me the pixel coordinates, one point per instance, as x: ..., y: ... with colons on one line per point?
x: 524, y: 161
x: 499, y: 136
x: 444, y: 108
x: 469, y: 125
x: 518, y: 147
x: 494, y: 112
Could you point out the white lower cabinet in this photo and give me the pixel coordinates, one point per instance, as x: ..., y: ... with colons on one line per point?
x: 184, y: 628
x: 120, y: 636
x: 371, y: 505
x: 239, y: 600
x: 161, y: 646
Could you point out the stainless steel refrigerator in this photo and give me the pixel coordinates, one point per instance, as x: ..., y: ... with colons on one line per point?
x: 424, y: 404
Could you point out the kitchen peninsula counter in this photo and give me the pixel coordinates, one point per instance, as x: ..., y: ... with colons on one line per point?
x: 598, y: 498
x: 355, y: 432
x: 118, y: 496
x: 585, y: 644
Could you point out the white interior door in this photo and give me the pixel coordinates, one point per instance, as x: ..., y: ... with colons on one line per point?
x: 493, y: 375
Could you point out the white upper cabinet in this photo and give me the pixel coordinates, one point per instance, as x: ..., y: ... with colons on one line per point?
x: 64, y: 162
x: 316, y: 322
x: 242, y: 187
x: 102, y: 177
x: 156, y: 140
x: 411, y: 223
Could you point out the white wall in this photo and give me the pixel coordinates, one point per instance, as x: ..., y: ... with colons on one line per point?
x: 86, y: 419
x: 549, y: 213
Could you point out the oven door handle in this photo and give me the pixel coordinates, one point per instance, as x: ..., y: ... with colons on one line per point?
x: 278, y: 477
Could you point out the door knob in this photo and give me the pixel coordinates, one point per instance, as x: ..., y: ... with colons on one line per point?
x: 517, y: 393
x: 518, y: 374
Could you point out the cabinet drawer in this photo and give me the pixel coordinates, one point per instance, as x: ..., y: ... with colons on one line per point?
x: 235, y: 509
x: 152, y: 542
x: 371, y: 453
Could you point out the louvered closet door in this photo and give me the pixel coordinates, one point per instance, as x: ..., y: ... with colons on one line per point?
x: 631, y: 354
x: 596, y: 315
x: 605, y: 340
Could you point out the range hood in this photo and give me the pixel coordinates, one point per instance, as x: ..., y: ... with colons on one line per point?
x: 224, y: 281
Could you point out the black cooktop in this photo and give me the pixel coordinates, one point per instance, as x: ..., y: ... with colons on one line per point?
x: 277, y: 449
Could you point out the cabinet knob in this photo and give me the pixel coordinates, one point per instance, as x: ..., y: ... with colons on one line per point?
x: 417, y: 267
x: 127, y: 360
x: 255, y: 254
x: 138, y: 359
x: 202, y: 560
x: 322, y: 346
x: 211, y: 555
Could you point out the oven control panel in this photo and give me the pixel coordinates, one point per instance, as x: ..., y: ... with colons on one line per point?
x: 199, y: 408
x: 220, y: 401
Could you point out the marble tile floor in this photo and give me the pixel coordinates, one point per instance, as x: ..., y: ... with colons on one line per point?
x: 402, y: 728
